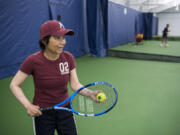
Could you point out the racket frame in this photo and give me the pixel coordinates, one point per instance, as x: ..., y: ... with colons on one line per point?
x: 57, y: 106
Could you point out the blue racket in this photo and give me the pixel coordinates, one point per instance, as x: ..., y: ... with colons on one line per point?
x: 85, y: 106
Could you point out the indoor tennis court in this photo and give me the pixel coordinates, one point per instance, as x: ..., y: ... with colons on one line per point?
x: 148, y: 99
x: 152, y: 47
x: 104, y: 46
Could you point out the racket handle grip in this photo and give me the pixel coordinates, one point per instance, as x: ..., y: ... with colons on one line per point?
x: 47, y: 108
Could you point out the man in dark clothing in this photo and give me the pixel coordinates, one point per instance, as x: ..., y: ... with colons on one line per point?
x: 165, y: 35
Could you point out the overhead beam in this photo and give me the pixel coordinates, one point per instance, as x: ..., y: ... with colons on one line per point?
x: 154, y: 6
x: 164, y: 7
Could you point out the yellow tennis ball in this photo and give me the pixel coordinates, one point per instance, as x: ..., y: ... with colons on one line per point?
x: 101, y: 97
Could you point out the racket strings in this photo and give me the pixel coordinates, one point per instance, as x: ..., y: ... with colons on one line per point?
x: 86, y: 105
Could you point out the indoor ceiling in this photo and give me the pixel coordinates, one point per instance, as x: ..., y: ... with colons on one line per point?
x: 154, y: 6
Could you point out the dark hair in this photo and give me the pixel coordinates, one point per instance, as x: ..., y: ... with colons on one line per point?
x: 43, y: 42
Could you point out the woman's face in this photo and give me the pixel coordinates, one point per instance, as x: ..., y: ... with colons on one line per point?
x: 56, y: 44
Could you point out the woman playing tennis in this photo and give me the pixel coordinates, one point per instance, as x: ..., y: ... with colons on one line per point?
x: 52, y: 69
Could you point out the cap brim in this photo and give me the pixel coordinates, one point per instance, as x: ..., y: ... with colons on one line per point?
x: 69, y: 32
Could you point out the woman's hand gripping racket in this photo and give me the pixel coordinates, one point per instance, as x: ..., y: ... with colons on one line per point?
x: 104, y: 99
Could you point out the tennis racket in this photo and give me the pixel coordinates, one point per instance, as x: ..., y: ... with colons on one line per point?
x: 85, y: 106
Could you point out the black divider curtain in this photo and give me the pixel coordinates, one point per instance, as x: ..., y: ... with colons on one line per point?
x: 97, y: 26
x: 148, y: 24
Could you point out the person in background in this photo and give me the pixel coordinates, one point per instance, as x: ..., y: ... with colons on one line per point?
x: 139, y: 38
x: 165, y: 36
x: 52, y: 69
x: 59, y: 19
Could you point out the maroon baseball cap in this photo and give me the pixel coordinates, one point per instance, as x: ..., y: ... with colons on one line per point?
x: 54, y: 28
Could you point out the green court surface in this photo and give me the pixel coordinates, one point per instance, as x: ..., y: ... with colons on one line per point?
x: 152, y: 47
x: 148, y: 99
